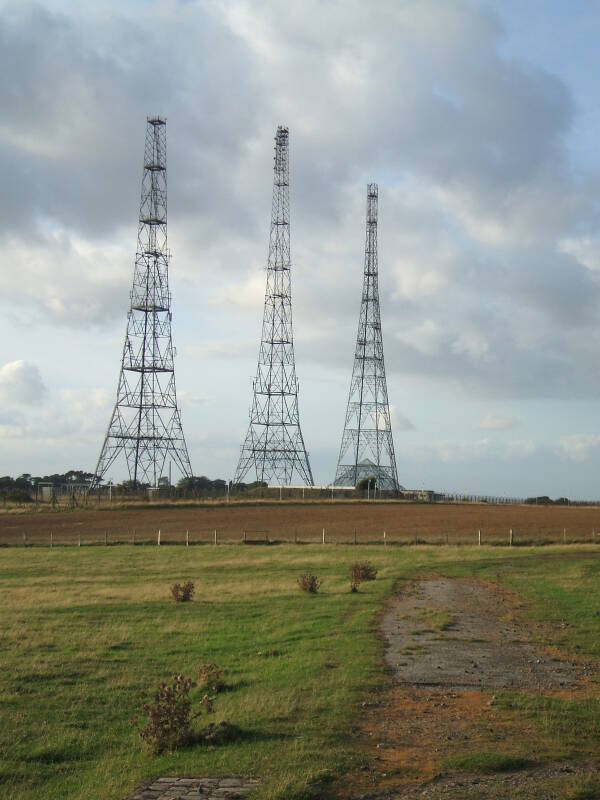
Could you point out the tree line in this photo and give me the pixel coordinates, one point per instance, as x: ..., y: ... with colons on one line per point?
x: 24, y: 487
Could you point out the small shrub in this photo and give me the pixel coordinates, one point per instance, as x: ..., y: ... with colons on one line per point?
x: 211, y: 677
x: 182, y: 593
x: 169, y: 716
x: 309, y: 583
x: 360, y: 572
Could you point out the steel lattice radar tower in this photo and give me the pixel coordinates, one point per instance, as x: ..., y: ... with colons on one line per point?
x: 145, y: 425
x: 274, y: 447
x: 367, y: 449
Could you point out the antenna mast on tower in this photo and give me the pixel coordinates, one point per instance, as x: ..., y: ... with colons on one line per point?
x: 145, y: 423
x: 367, y: 449
x: 274, y: 447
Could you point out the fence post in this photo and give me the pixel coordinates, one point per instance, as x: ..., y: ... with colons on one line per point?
x: 216, y: 537
x: 244, y: 535
x: 158, y: 539
x: 51, y: 540
x: 593, y: 534
x: 79, y: 542
x: 133, y: 537
x: 187, y: 538
x: 24, y: 539
x: 105, y: 537
x: 510, y: 537
x: 416, y: 539
x: 384, y: 541
x: 355, y: 542
x: 295, y: 536
x: 479, y: 537
x: 564, y: 535
x: 323, y: 535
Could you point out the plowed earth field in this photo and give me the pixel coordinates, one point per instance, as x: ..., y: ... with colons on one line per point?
x: 403, y: 523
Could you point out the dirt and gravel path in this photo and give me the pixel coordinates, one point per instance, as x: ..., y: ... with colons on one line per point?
x: 461, y: 635
x: 452, y: 644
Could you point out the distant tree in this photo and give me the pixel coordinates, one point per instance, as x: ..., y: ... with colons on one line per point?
x: 131, y: 487
x: 562, y: 501
x: 201, y: 486
x: 6, y: 482
x: 543, y: 500
x: 249, y: 487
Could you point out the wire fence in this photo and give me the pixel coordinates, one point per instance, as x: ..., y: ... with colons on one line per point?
x: 148, y: 536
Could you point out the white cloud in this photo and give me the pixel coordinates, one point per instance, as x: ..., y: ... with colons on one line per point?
x: 413, y: 283
x: 585, y: 249
x: 187, y: 398
x: 471, y: 343
x: 425, y: 338
x: 498, y: 422
x: 66, y: 279
x: 248, y: 293
x: 581, y: 446
x: 399, y: 421
x: 221, y: 349
x: 518, y: 449
x: 459, y: 452
x: 21, y: 384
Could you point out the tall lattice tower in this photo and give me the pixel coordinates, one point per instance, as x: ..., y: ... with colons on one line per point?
x: 274, y: 446
x: 145, y: 424
x: 367, y: 449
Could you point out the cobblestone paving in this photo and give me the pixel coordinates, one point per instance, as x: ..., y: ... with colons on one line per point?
x: 194, y: 789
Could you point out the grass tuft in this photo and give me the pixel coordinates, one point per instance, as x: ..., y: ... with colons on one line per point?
x: 587, y: 788
x: 569, y: 720
x: 438, y: 621
x: 485, y: 763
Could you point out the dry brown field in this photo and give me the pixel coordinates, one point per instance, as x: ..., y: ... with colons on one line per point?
x: 403, y: 523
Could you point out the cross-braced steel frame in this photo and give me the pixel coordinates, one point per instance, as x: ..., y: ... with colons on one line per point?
x: 145, y: 424
x: 274, y: 447
x: 367, y: 449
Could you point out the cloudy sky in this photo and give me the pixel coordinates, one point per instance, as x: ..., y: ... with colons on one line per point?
x: 479, y: 121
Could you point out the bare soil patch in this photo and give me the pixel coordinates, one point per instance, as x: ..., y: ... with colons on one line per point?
x: 453, y: 643
x: 555, y: 782
x: 464, y: 634
x: 404, y: 523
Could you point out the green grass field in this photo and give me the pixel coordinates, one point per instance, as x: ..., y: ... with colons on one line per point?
x: 85, y: 633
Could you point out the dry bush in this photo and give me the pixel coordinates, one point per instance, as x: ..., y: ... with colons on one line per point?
x: 211, y: 677
x: 182, y: 593
x: 309, y: 583
x: 360, y: 572
x: 169, y: 716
